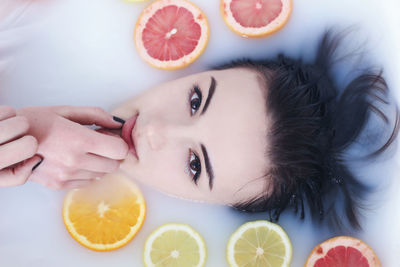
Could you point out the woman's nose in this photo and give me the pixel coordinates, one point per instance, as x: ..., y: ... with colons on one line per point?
x: 155, y: 135
x: 158, y: 133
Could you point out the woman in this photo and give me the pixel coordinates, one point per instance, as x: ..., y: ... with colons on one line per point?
x: 255, y: 135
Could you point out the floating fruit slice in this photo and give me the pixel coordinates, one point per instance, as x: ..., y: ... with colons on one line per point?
x: 259, y: 243
x: 255, y: 18
x: 106, y: 214
x: 171, y: 34
x: 174, y: 245
x: 343, y: 251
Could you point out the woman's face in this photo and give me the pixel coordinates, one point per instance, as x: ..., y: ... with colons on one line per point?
x: 201, y: 137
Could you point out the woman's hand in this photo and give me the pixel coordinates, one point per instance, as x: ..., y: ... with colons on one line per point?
x: 17, y: 149
x: 72, y: 153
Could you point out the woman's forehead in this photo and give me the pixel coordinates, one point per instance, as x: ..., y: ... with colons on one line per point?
x: 235, y: 129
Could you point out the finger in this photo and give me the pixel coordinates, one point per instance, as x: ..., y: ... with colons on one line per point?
x: 82, y: 175
x: 51, y: 180
x: 88, y: 116
x: 19, y: 174
x: 107, y: 146
x: 17, y: 151
x: 13, y: 128
x: 110, y: 132
x: 95, y: 163
x: 6, y: 112
x: 76, y: 184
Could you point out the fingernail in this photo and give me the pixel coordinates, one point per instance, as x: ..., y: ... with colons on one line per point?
x: 37, y: 165
x: 118, y: 119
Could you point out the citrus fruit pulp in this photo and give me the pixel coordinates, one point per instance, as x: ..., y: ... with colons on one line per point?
x: 106, y: 214
x: 174, y: 244
x: 171, y: 34
x: 259, y: 243
x: 255, y: 18
x: 343, y: 251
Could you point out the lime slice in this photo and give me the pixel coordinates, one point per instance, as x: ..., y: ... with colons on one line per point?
x: 174, y: 245
x: 259, y: 243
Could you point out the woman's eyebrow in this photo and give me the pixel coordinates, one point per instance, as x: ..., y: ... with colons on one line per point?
x: 211, y: 91
x: 209, y: 168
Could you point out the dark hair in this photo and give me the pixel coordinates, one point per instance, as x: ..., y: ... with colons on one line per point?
x: 312, y: 126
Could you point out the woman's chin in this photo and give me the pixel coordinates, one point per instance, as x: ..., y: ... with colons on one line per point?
x: 128, y: 164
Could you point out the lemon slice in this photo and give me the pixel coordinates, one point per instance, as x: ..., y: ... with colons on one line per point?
x: 174, y: 245
x: 106, y: 214
x: 259, y: 243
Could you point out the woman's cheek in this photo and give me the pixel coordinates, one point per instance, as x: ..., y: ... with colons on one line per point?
x: 166, y: 174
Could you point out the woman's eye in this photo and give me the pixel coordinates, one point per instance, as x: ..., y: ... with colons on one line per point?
x: 194, y: 166
x: 195, y: 99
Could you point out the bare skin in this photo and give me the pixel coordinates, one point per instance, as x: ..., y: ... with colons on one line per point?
x: 18, y: 146
x: 169, y: 135
x: 174, y: 132
x: 72, y: 154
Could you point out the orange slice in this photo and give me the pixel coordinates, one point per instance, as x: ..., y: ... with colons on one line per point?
x: 255, y: 18
x: 342, y: 251
x: 106, y: 214
x: 171, y: 34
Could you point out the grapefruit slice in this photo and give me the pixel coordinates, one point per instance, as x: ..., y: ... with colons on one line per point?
x: 343, y: 251
x: 255, y: 18
x: 171, y: 34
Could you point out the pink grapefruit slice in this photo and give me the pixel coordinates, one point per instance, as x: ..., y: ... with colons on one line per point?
x: 255, y: 18
x: 342, y: 251
x: 171, y: 34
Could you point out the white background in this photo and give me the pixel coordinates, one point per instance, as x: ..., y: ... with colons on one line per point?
x: 81, y: 52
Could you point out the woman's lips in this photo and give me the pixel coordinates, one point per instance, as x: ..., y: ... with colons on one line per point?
x: 128, y: 136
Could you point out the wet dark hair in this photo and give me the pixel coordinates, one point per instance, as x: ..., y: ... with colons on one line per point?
x: 313, y: 124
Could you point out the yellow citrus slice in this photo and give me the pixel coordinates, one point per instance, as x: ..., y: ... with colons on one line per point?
x: 174, y: 245
x: 106, y: 214
x: 255, y: 18
x: 171, y: 34
x: 344, y: 251
x: 259, y: 243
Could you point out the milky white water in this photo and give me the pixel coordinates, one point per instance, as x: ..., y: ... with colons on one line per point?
x: 81, y: 52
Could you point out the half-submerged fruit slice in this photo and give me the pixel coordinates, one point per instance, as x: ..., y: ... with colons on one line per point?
x: 343, y: 251
x: 174, y: 245
x: 105, y: 215
x: 171, y: 34
x: 259, y: 243
x: 255, y: 18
